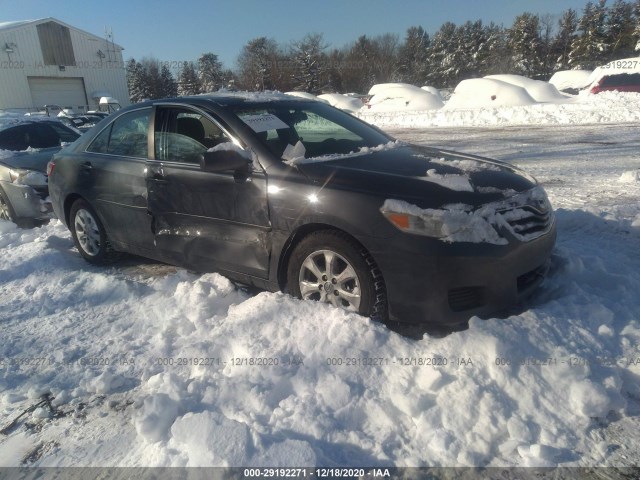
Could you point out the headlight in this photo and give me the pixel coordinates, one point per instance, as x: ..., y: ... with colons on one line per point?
x: 16, y: 175
x: 32, y: 178
x: 419, y: 225
x: 451, y: 223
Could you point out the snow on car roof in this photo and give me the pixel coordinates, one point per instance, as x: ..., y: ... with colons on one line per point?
x: 231, y: 98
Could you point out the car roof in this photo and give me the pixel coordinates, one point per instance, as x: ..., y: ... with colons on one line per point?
x: 228, y: 98
x: 6, y: 122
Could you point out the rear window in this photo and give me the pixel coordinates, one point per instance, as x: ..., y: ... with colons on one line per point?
x: 620, y: 80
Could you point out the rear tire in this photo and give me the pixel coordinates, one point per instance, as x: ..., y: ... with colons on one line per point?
x: 330, y: 266
x: 89, y: 234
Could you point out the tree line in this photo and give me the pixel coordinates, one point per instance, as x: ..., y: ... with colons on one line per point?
x: 535, y: 46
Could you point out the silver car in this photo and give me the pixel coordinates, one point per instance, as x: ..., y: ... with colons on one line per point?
x: 25, y: 148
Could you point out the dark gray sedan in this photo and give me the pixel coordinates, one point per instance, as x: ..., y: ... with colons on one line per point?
x: 294, y: 195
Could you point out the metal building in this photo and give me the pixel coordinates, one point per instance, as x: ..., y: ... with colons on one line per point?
x: 48, y: 62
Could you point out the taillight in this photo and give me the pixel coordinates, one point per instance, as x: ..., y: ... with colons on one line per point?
x: 50, y: 166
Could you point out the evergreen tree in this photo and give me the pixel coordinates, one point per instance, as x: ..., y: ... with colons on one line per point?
x: 443, y: 65
x: 636, y: 31
x: 589, y: 49
x: 309, y: 63
x: 620, y: 26
x: 168, y: 85
x: 210, y: 73
x: 567, y: 25
x: 136, y: 82
x: 526, y: 45
x: 386, y: 66
x: 414, y: 56
x: 188, y: 82
x: 362, y: 57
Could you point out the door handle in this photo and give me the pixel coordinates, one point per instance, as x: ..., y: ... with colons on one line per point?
x: 157, y: 173
x: 86, y: 166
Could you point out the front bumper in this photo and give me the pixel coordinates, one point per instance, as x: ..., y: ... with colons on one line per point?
x: 430, y: 282
x: 29, y: 202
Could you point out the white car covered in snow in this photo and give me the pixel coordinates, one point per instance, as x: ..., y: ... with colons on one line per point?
x: 398, y: 97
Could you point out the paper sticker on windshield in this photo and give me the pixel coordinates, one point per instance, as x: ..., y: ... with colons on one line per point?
x: 263, y: 122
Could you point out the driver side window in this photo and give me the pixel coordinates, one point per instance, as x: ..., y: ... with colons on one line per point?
x: 183, y: 135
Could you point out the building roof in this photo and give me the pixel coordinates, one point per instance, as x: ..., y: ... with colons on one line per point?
x: 22, y: 23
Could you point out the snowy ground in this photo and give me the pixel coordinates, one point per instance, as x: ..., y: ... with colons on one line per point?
x: 558, y: 384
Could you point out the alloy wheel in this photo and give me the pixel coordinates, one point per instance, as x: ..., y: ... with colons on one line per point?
x: 328, y: 277
x: 87, y: 232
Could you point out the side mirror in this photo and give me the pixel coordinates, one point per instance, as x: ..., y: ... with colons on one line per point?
x: 221, y: 160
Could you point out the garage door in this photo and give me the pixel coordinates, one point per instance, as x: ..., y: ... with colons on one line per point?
x: 66, y: 92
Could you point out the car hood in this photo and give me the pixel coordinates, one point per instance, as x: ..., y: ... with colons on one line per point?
x: 30, y: 160
x: 426, y: 177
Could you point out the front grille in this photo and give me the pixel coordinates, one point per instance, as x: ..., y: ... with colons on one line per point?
x: 527, y: 222
x: 466, y: 298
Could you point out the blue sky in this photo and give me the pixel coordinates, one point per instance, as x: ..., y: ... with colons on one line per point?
x: 179, y: 31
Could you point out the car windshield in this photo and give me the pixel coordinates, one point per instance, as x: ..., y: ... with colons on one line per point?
x: 310, y: 130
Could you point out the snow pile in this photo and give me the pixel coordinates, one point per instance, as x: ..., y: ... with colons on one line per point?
x: 343, y: 102
x: 542, y: 92
x: 631, y: 176
x: 399, y: 97
x: 470, y: 110
x: 158, y: 366
x: 570, y: 79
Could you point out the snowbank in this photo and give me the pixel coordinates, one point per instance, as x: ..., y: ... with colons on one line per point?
x: 606, y: 107
x: 157, y: 366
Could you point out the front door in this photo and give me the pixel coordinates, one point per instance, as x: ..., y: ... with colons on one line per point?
x: 203, y: 220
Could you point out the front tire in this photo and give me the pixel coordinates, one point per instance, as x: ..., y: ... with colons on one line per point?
x: 330, y: 266
x: 89, y: 234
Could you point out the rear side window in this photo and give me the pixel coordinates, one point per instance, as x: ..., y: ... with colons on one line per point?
x: 126, y: 136
x: 14, y: 138
x: 41, y: 135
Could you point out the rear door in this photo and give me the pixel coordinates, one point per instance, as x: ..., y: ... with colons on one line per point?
x: 204, y: 220
x: 112, y: 175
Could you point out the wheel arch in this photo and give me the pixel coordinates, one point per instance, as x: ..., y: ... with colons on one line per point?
x: 68, y: 203
x: 296, y: 237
